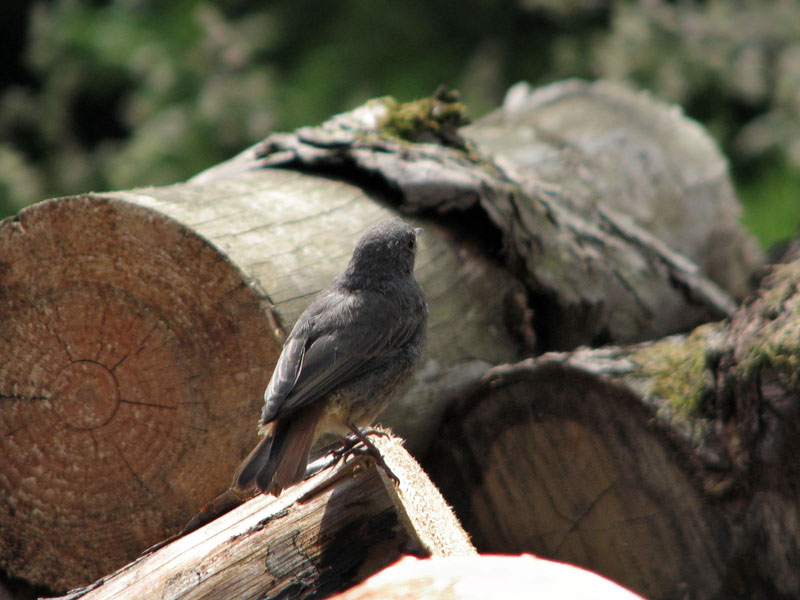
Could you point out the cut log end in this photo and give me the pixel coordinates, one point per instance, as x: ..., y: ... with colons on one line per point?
x: 110, y: 388
x: 559, y: 463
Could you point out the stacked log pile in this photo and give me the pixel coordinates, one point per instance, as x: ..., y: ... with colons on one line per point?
x: 599, y: 384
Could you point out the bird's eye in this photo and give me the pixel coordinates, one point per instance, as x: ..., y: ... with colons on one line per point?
x: 411, y: 243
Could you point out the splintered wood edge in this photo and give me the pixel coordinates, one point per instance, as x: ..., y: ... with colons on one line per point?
x: 169, y: 561
x: 422, y: 503
x: 423, y: 515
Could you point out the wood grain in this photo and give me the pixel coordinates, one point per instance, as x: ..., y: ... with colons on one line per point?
x: 131, y: 354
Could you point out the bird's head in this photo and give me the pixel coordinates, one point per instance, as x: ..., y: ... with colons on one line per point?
x: 386, y: 250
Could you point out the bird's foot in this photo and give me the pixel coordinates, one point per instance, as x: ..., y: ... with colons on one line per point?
x: 359, y: 445
x: 378, y: 431
x: 363, y: 446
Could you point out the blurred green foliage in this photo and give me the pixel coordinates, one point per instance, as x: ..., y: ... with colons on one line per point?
x: 772, y: 203
x: 123, y: 93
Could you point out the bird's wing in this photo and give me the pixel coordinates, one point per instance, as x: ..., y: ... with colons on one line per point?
x: 286, y: 372
x: 336, y: 348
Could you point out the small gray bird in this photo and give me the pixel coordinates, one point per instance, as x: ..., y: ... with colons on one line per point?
x: 347, y: 357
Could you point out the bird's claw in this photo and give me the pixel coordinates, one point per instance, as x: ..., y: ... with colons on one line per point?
x: 359, y: 444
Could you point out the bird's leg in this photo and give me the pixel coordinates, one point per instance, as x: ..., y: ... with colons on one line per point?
x: 372, y: 431
x: 359, y: 444
x: 348, y: 444
x: 338, y: 452
x: 370, y: 449
x: 359, y: 437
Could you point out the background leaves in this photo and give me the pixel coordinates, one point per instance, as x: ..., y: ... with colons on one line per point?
x: 126, y: 93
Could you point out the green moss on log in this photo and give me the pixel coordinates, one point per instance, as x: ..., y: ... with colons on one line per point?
x: 776, y: 343
x: 433, y: 119
x: 677, y: 368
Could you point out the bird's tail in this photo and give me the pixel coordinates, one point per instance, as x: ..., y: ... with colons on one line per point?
x: 280, y: 460
x: 252, y: 465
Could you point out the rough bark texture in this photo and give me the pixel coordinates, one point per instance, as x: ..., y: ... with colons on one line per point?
x: 322, y: 536
x: 614, y: 210
x: 667, y: 466
x: 626, y: 213
x: 619, y: 161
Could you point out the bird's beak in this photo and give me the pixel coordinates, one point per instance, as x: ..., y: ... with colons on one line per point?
x: 418, y: 230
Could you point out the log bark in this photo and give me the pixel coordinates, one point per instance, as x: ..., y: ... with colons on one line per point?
x: 325, y: 535
x: 616, y: 158
x: 613, y: 209
x: 667, y: 466
x: 626, y: 217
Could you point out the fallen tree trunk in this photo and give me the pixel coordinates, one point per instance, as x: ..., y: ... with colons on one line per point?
x: 614, y: 210
x: 322, y: 536
x: 667, y: 466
